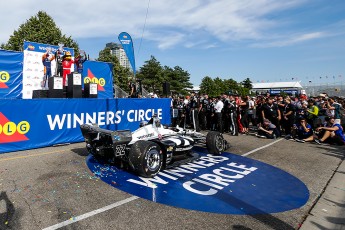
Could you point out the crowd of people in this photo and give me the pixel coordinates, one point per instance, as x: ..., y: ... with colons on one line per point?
x: 319, y: 119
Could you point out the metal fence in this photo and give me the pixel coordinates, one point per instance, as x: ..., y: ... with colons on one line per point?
x: 119, y: 93
x: 331, y: 89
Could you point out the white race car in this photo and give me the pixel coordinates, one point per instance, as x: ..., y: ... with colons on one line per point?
x: 150, y: 148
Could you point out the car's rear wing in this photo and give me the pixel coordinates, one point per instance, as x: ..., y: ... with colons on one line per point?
x: 94, y: 133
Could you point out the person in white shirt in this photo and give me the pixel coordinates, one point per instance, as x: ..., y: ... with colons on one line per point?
x: 218, y: 110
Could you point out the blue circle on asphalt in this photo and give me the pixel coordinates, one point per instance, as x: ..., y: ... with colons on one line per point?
x: 224, y: 184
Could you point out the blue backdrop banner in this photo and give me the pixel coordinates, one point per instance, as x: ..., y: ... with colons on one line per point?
x: 101, y: 74
x: 11, y: 74
x: 127, y: 44
x: 27, y: 124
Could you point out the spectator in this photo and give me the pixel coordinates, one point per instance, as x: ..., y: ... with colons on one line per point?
x: 268, y: 130
x: 334, y: 109
x: 271, y: 112
x: 244, y: 115
x: 289, y: 117
x: 303, y: 130
x: 333, y: 134
x: 312, y: 113
x: 218, y: 111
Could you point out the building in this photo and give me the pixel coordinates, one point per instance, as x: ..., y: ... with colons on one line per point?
x: 117, y: 50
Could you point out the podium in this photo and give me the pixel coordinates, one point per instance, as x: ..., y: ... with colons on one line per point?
x: 40, y: 93
x: 90, y: 90
x: 55, y: 87
x: 74, y: 85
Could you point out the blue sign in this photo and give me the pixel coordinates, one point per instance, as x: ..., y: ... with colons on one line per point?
x: 127, y: 44
x: 34, y: 123
x: 224, y: 184
x: 101, y: 74
x: 11, y: 74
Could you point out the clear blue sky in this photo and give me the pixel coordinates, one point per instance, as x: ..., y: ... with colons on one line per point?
x: 265, y: 40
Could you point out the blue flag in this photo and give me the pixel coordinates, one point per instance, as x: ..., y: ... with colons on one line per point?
x: 127, y: 44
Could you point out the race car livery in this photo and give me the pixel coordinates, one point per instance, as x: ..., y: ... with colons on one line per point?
x: 151, y: 148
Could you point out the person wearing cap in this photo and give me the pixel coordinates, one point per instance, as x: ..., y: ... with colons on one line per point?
x: 268, y: 130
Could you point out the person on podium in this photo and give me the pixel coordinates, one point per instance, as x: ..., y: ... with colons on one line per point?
x: 47, y: 59
x: 79, y: 61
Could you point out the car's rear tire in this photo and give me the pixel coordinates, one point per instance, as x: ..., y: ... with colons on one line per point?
x: 215, y: 142
x: 146, y: 158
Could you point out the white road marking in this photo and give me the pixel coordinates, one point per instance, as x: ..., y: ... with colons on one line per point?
x: 121, y: 202
x: 92, y: 213
x: 262, y: 147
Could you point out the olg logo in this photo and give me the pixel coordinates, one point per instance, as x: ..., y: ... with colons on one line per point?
x: 10, y: 128
x: 4, y: 76
x: 99, y: 81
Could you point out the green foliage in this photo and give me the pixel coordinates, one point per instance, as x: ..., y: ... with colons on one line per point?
x: 39, y: 28
x: 151, y: 74
x: 121, y: 75
x: 178, y: 79
x: 247, y: 83
x: 217, y: 86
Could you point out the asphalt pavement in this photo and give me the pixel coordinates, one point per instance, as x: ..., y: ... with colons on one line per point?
x: 52, y: 188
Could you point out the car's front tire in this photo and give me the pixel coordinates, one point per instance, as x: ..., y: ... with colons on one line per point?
x: 146, y: 158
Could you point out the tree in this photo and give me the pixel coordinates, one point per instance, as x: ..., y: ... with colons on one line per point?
x: 247, y: 83
x: 151, y: 74
x: 39, y: 28
x: 208, y: 86
x: 178, y: 79
x: 232, y: 86
x: 121, y: 75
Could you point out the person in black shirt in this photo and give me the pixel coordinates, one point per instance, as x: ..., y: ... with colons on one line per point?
x: 232, y: 110
x: 210, y: 124
x: 288, y: 117
x: 58, y: 60
x: 202, y: 112
x: 271, y: 112
x: 132, y: 90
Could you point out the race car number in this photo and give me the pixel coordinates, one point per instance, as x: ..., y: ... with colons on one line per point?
x: 120, y: 150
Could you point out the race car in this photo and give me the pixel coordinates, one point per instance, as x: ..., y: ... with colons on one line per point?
x: 151, y: 148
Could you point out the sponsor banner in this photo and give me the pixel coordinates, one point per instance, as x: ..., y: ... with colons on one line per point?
x: 101, y: 74
x: 33, y: 69
x: 127, y: 44
x: 11, y: 66
x: 288, y: 91
x: 224, y: 184
x: 27, y: 124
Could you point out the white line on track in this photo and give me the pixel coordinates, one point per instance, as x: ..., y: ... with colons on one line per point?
x: 92, y: 213
x: 262, y: 147
x: 121, y: 202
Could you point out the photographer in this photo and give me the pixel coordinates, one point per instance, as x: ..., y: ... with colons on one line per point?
x: 303, y: 130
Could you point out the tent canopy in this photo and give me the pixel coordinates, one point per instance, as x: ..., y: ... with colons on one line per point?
x: 277, y: 85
